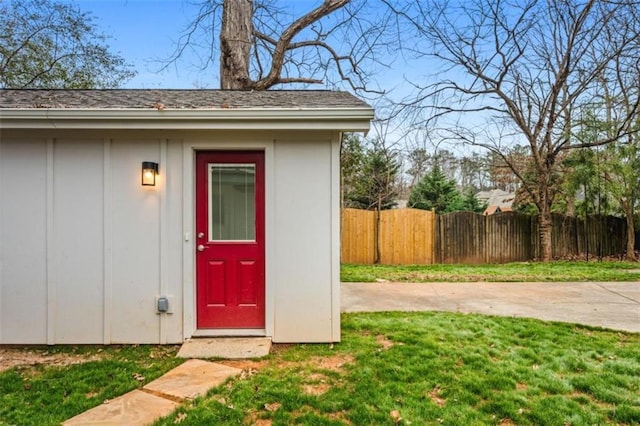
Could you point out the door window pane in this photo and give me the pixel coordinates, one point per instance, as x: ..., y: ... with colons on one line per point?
x: 232, y: 202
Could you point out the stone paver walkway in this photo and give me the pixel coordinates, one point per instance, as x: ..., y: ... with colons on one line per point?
x: 158, y: 398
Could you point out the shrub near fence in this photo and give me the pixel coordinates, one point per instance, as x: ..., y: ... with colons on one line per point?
x: 410, y: 236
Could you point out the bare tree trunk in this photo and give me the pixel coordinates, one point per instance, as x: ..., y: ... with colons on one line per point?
x: 546, y: 228
x: 545, y: 221
x: 235, y: 44
x: 631, y: 235
x: 571, y: 205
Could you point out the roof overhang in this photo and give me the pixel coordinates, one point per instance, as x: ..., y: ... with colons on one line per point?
x: 341, y: 119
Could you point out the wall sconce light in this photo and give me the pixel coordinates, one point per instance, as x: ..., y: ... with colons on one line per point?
x: 149, y: 173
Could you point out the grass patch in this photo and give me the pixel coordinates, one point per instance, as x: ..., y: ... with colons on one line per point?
x: 510, y: 272
x: 51, y: 392
x: 391, y: 368
x: 436, y: 368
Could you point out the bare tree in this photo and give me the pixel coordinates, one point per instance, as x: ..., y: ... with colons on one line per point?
x: 621, y: 168
x: 527, y: 67
x: 261, y: 46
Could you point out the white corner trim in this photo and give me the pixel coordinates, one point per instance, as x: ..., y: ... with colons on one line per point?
x: 50, y: 260
x: 0, y: 239
x: 345, y: 119
x: 107, y: 242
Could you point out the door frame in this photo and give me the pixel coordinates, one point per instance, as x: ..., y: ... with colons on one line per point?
x: 224, y: 141
x: 214, y: 316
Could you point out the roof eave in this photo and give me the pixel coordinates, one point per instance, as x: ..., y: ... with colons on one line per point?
x: 343, y: 119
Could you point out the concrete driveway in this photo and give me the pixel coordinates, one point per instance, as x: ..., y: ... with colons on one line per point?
x: 614, y: 305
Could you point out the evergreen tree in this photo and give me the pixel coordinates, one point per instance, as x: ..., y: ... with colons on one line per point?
x: 471, y: 203
x: 436, y: 191
x: 375, y: 187
x: 352, y: 153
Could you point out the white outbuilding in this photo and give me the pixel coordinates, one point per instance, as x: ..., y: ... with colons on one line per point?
x: 153, y: 216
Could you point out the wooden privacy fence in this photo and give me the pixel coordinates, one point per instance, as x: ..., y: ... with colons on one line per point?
x: 403, y: 237
x: 410, y: 236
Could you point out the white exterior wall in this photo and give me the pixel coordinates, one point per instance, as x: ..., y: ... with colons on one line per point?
x: 85, y: 249
x: 305, y: 200
x: 23, y: 241
x: 76, y: 242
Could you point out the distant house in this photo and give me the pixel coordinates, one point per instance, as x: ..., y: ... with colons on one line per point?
x: 153, y: 216
x: 496, y: 209
x: 497, y: 201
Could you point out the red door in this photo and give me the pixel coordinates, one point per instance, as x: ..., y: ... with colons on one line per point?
x: 230, y: 239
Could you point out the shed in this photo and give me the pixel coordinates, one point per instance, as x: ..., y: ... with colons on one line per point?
x: 153, y: 216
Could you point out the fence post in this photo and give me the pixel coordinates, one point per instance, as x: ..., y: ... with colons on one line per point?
x: 485, y: 244
x: 376, y: 237
x: 433, y: 236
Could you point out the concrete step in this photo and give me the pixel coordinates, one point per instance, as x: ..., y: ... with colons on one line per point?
x: 225, y: 347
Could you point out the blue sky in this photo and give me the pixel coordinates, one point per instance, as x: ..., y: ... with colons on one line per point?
x: 144, y: 31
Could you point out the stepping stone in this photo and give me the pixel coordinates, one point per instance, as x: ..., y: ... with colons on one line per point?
x: 192, y: 379
x: 159, y: 398
x: 225, y: 347
x: 132, y: 409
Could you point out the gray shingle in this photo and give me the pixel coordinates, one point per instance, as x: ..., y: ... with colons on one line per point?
x: 176, y: 99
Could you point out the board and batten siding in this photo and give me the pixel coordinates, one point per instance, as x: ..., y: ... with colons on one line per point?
x: 85, y: 249
x: 306, y: 221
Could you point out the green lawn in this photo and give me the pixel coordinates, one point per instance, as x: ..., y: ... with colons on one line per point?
x: 50, y: 394
x: 513, y: 272
x: 391, y: 368
x: 435, y: 368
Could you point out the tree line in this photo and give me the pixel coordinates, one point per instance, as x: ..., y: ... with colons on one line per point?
x: 597, y: 181
x: 375, y: 177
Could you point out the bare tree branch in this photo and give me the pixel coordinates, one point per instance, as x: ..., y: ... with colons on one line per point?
x: 53, y: 44
x: 533, y: 66
x: 338, y: 42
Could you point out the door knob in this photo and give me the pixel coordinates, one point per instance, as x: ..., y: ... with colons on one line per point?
x: 201, y: 247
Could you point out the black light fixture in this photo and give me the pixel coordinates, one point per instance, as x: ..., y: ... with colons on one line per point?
x: 149, y: 173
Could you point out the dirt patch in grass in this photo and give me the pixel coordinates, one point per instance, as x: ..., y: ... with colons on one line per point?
x: 274, y: 406
x: 336, y: 416
x: 384, y: 342
x: 252, y: 419
x: 26, y: 357
x: 315, y: 383
x: 316, y: 389
x: 339, y: 416
x: 278, y: 348
x: 332, y: 363
x: 244, y: 364
x: 434, y: 394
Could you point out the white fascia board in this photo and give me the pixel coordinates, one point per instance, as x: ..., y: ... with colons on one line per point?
x: 344, y: 119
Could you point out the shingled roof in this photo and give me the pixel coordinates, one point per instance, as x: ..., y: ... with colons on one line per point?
x: 176, y: 99
x: 183, y: 109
